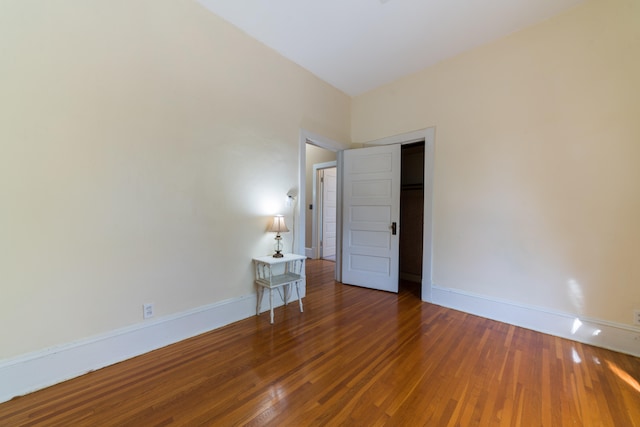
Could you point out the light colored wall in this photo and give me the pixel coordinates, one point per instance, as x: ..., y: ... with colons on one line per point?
x: 314, y: 155
x: 537, y: 184
x: 144, y: 147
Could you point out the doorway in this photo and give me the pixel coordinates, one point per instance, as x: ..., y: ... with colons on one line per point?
x: 426, y: 137
x: 318, y: 161
x: 411, y: 217
x: 310, y: 139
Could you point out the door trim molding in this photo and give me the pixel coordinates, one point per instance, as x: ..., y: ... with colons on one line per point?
x: 427, y: 135
x: 331, y: 145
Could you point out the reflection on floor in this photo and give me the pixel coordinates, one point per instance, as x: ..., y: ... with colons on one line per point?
x: 414, y: 288
x: 322, y: 271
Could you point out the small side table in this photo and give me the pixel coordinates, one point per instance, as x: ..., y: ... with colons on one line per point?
x: 267, y: 278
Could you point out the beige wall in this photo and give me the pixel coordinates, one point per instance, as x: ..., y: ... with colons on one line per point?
x: 537, y: 183
x: 314, y: 155
x: 144, y: 146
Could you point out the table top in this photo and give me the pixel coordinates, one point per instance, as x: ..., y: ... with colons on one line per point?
x: 269, y: 259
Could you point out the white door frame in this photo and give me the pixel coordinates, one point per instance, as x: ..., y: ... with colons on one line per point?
x: 331, y: 145
x: 428, y: 136
x: 315, y: 244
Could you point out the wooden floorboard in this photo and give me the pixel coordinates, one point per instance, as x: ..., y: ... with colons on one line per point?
x: 355, y: 357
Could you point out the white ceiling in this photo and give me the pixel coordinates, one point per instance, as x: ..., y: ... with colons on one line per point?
x: 358, y: 45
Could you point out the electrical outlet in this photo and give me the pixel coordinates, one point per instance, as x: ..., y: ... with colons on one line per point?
x: 636, y: 317
x: 147, y: 311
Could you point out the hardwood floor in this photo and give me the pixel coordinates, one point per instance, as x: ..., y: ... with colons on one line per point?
x: 355, y: 357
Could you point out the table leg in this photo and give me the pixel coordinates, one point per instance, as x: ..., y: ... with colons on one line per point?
x: 299, y: 299
x: 260, y: 295
x: 271, y: 302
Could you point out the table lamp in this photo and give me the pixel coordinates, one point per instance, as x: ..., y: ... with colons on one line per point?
x: 278, y: 226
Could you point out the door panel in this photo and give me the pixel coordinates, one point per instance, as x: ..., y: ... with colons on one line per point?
x: 367, y: 189
x: 373, y: 214
x: 377, y: 265
x: 373, y: 239
x: 371, y: 204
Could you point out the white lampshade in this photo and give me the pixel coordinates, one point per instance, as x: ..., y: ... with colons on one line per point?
x: 278, y: 225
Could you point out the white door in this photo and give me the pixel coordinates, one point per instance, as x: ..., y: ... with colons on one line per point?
x: 371, y: 207
x: 329, y: 188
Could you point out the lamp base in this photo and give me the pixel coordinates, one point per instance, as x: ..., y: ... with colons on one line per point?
x: 278, y: 247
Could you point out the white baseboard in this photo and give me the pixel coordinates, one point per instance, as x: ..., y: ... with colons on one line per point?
x: 600, y: 333
x: 310, y: 253
x: 34, y: 371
